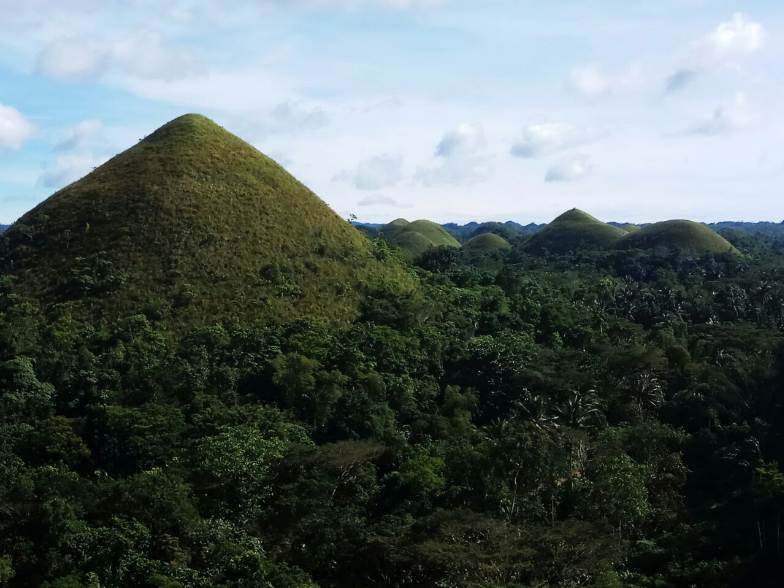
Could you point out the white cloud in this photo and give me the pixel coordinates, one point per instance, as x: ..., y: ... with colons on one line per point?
x: 381, y: 200
x: 570, y: 169
x: 143, y: 55
x: 382, y: 171
x: 549, y: 138
x: 465, y: 139
x: 727, y: 118
x: 462, y: 161
x: 730, y: 42
x: 592, y: 82
x: 139, y: 55
x: 68, y: 169
x: 287, y: 117
x: 81, y: 135
x: 15, y: 130
x: 725, y: 48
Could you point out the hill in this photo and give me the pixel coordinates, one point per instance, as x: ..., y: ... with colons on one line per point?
x: 572, y: 231
x: 197, y: 225
x: 677, y: 234
x: 3, y: 228
x: 487, y: 242
x: 418, y: 236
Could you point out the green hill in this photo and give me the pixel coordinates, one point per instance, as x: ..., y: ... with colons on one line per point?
x: 677, y: 234
x: 629, y: 228
x: 418, y: 236
x: 572, y: 231
x: 504, y: 231
x: 487, y: 242
x: 199, y: 226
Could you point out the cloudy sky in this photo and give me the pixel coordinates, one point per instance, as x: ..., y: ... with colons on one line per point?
x: 452, y: 110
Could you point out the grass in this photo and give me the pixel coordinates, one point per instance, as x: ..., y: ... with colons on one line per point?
x: 487, y: 242
x: 572, y: 231
x: 418, y: 236
x: 197, y: 223
x: 677, y: 234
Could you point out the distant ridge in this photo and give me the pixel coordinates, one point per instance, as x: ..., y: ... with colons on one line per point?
x: 3, y: 228
x: 196, y: 226
x: 574, y: 230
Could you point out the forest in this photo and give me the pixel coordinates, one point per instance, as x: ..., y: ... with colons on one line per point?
x: 591, y: 418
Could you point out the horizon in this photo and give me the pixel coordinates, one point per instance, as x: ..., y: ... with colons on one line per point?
x: 450, y: 110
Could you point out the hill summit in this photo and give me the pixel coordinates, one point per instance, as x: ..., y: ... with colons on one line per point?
x: 572, y: 231
x: 199, y: 226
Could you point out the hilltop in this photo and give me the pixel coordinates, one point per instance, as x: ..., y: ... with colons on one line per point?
x: 685, y: 235
x: 418, y: 236
x: 572, y: 231
x: 197, y: 226
x: 487, y: 242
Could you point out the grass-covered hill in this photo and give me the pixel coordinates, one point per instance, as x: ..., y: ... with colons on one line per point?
x: 684, y: 235
x: 572, y: 231
x: 486, y: 243
x: 418, y: 236
x: 197, y: 226
x: 629, y: 228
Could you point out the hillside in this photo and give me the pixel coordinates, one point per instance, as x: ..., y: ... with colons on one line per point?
x: 487, y: 242
x: 572, y: 231
x: 198, y: 226
x: 418, y: 236
x: 677, y: 234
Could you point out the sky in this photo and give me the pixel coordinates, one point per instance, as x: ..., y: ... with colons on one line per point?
x: 450, y: 110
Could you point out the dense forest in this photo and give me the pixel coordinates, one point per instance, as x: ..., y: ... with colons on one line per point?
x: 587, y: 419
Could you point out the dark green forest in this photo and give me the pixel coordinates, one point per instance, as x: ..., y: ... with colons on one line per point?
x: 597, y: 419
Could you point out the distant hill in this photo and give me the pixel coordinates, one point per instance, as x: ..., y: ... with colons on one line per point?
x: 466, y: 231
x: 3, y: 228
x: 572, y: 231
x: 418, y: 236
x: 487, y: 242
x: 197, y: 226
x: 677, y: 234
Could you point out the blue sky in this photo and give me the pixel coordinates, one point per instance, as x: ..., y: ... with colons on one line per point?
x: 451, y: 110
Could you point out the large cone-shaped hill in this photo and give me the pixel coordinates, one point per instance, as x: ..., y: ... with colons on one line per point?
x: 418, y: 236
x: 574, y: 230
x: 684, y: 235
x: 196, y: 225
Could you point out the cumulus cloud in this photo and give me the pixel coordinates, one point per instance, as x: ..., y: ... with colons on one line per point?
x: 381, y: 200
x: 15, y: 130
x: 70, y: 59
x: 81, y: 135
x: 549, y: 138
x: 285, y: 118
x: 382, y: 171
x: 140, y: 55
x: 68, y: 169
x: 570, y: 169
x: 727, y: 118
x: 461, y: 159
x: 592, y: 82
x: 724, y: 48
